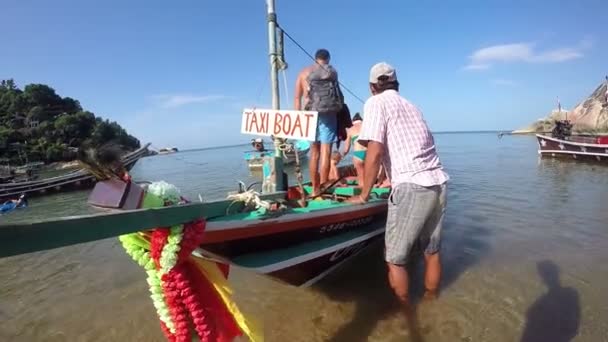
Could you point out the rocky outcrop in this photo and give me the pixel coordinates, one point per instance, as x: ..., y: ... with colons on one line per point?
x: 589, y: 116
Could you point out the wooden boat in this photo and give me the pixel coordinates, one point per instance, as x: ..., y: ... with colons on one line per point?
x: 562, y: 144
x: 299, y: 245
x: 272, y: 233
x: 255, y: 157
x: 77, y: 179
x: 277, y: 233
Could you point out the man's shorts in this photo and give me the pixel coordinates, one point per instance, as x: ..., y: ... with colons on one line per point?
x: 414, y: 212
x: 327, y: 128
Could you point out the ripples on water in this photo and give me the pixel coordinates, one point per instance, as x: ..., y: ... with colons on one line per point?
x: 524, y: 257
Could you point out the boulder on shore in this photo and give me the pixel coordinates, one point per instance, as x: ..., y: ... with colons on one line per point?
x: 589, y: 116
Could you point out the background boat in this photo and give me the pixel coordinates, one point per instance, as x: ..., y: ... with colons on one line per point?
x: 255, y: 159
x: 168, y: 150
x: 562, y: 144
x: 77, y: 179
x: 582, y: 148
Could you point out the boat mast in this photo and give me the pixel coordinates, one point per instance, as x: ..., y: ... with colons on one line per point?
x: 274, y: 169
x: 272, y: 52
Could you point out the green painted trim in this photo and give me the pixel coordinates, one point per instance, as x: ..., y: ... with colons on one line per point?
x: 30, y: 237
x: 256, y: 260
x: 341, y: 191
x: 313, y: 206
x: 349, y: 190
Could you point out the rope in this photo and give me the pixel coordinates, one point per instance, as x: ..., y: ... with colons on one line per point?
x: 284, y: 72
x: 297, y: 169
x: 314, y: 60
x: 250, y: 198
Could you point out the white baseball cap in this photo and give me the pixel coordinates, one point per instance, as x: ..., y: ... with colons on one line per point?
x: 383, y: 70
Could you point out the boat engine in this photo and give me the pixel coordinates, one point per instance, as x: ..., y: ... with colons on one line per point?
x: 562, y: 129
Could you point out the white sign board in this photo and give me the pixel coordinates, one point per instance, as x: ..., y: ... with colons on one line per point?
x: 290, y: 124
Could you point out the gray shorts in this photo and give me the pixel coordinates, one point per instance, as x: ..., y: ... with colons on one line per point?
x: 415, y: 214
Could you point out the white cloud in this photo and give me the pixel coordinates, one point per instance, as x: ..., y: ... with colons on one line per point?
x: 558, y: 55
x: 503, y: 82
x: 179, y: 100
x: 523, y: 52
x: 477, y: 67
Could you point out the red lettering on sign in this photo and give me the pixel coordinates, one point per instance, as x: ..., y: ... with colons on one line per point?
x: 287, y: 124
x: 278, y: 119
x: 254, y: 120
x: 263, y: 120
x: 297, y: 125
x: 247, y: 115
x: 308, y: 116
x: 266, y: 123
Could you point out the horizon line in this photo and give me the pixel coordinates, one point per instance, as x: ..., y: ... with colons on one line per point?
x: 243, y: 144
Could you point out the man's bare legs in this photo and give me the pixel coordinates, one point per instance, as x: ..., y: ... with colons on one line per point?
x: 313, y: 166
x: 432, y: 275
x: 359, y: 166
x: 399, y: 280
x: 325, y: 162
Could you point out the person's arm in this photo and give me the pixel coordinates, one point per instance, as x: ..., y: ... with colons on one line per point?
x: 373, y: 159
x: 299, y: 92
x: 372, y: 136
x: 347, y: 143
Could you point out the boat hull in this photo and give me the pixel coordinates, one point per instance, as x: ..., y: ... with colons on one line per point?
x: 231, y: 239
x: 308, y: 272
x: 297, y: 248
x: 304, y: 263
x: 575, y: 150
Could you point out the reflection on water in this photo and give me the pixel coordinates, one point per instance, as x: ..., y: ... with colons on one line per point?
x: 524, y: 246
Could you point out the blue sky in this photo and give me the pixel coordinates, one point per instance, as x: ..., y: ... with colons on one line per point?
x: 179, y: 73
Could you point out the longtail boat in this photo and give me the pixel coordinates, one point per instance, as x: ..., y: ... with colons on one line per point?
x: 562, y: 144
x: 186, y: 248
x: 272, y: 233
x: 255, y: 157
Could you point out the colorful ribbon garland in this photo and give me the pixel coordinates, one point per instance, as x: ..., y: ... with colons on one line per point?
x: 186, y: 291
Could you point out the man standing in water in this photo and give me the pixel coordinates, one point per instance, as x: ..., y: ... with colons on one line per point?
x: 397, y: 136
x: 317, y: 86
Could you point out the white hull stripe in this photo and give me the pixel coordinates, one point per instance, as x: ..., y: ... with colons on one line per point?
x: 306, y: 257
x: 575, y: 152
x: 573, y: 143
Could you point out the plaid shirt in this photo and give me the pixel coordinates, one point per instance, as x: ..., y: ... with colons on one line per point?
x: 409, y: 148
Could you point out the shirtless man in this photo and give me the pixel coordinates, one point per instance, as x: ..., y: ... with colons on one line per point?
x: 317, y: 89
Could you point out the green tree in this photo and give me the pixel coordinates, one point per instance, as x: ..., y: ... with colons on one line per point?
x: 75, y: 128
x: 46, y: 124
x: 71, y: 106
x: 8, y: 84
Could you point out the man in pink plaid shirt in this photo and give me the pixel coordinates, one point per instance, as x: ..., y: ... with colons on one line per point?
x: 397, y: 136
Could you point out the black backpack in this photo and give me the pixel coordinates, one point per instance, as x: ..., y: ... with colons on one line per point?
x: 324, y: 93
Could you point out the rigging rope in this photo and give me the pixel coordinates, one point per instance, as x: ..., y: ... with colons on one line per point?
x: 314, y: 60
x: 286, y: 147
x: 285, y: 84
x: 249, y: 198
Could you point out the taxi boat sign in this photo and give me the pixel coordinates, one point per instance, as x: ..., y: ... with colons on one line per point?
x: 289, y: 124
